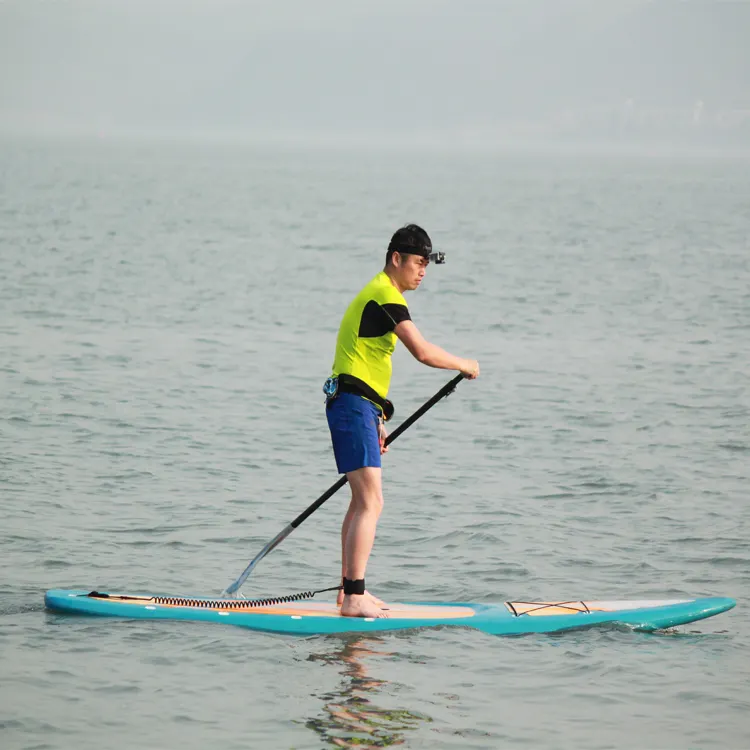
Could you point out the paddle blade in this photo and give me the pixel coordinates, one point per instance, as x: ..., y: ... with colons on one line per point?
x: 233, y: 588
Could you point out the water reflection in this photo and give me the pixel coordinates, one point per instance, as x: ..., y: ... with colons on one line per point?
x: 350, y: 718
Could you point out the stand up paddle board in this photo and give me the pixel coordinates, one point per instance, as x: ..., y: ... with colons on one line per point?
x: 313, y: 618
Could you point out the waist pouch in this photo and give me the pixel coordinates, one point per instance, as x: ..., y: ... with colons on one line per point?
x: 349, y: 384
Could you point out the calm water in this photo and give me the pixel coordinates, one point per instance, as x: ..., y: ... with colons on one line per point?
x: 167, y: 317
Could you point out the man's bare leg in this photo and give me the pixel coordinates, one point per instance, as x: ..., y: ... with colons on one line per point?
x: 365, y: 507
x: 344, y: 534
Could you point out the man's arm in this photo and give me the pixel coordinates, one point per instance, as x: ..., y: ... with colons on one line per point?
x: 432, y: 355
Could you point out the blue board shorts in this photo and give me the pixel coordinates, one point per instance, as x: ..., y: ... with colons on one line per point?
x: 353, y: 422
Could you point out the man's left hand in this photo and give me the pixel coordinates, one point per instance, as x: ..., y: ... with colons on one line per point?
x: 382, y: 435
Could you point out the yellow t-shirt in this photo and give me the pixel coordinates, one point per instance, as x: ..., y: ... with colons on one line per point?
x: 366, y: 339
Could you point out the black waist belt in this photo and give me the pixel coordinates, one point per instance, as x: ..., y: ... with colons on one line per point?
x: 350, y: 384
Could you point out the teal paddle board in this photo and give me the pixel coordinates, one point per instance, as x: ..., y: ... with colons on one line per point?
x: 318, y: 618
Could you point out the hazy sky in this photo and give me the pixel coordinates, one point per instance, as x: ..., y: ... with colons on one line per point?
x: 391, y: 66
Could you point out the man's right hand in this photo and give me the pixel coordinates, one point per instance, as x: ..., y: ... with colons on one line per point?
x: 470, y: 369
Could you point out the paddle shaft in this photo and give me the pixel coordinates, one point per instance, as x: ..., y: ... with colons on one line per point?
x: 447, y: 389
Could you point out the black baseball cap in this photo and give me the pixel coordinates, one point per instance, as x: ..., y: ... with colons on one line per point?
x: 413, y: 240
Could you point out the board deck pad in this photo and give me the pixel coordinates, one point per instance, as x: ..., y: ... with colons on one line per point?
x: 316, y: 618
x: 302, y: 609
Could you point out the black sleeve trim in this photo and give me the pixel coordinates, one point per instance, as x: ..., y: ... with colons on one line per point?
x: 377, y: 320
x: 397, y: 313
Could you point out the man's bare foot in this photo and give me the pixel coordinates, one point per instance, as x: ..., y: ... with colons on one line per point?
x: 374, y: 599
x: 367, y: 595
x: 358, y: 605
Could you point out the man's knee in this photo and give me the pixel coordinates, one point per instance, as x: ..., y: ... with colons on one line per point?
x: 368, y: 498
x: 367, y: 488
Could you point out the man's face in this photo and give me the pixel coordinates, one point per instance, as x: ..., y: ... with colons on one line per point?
x: 412, y: 269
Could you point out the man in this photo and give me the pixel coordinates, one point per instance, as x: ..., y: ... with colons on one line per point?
x: 356, y: 403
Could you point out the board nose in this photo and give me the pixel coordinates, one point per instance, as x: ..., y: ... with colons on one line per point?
x: 719, y: 604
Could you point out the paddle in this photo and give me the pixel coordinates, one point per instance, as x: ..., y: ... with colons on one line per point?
x: 447, y: 389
